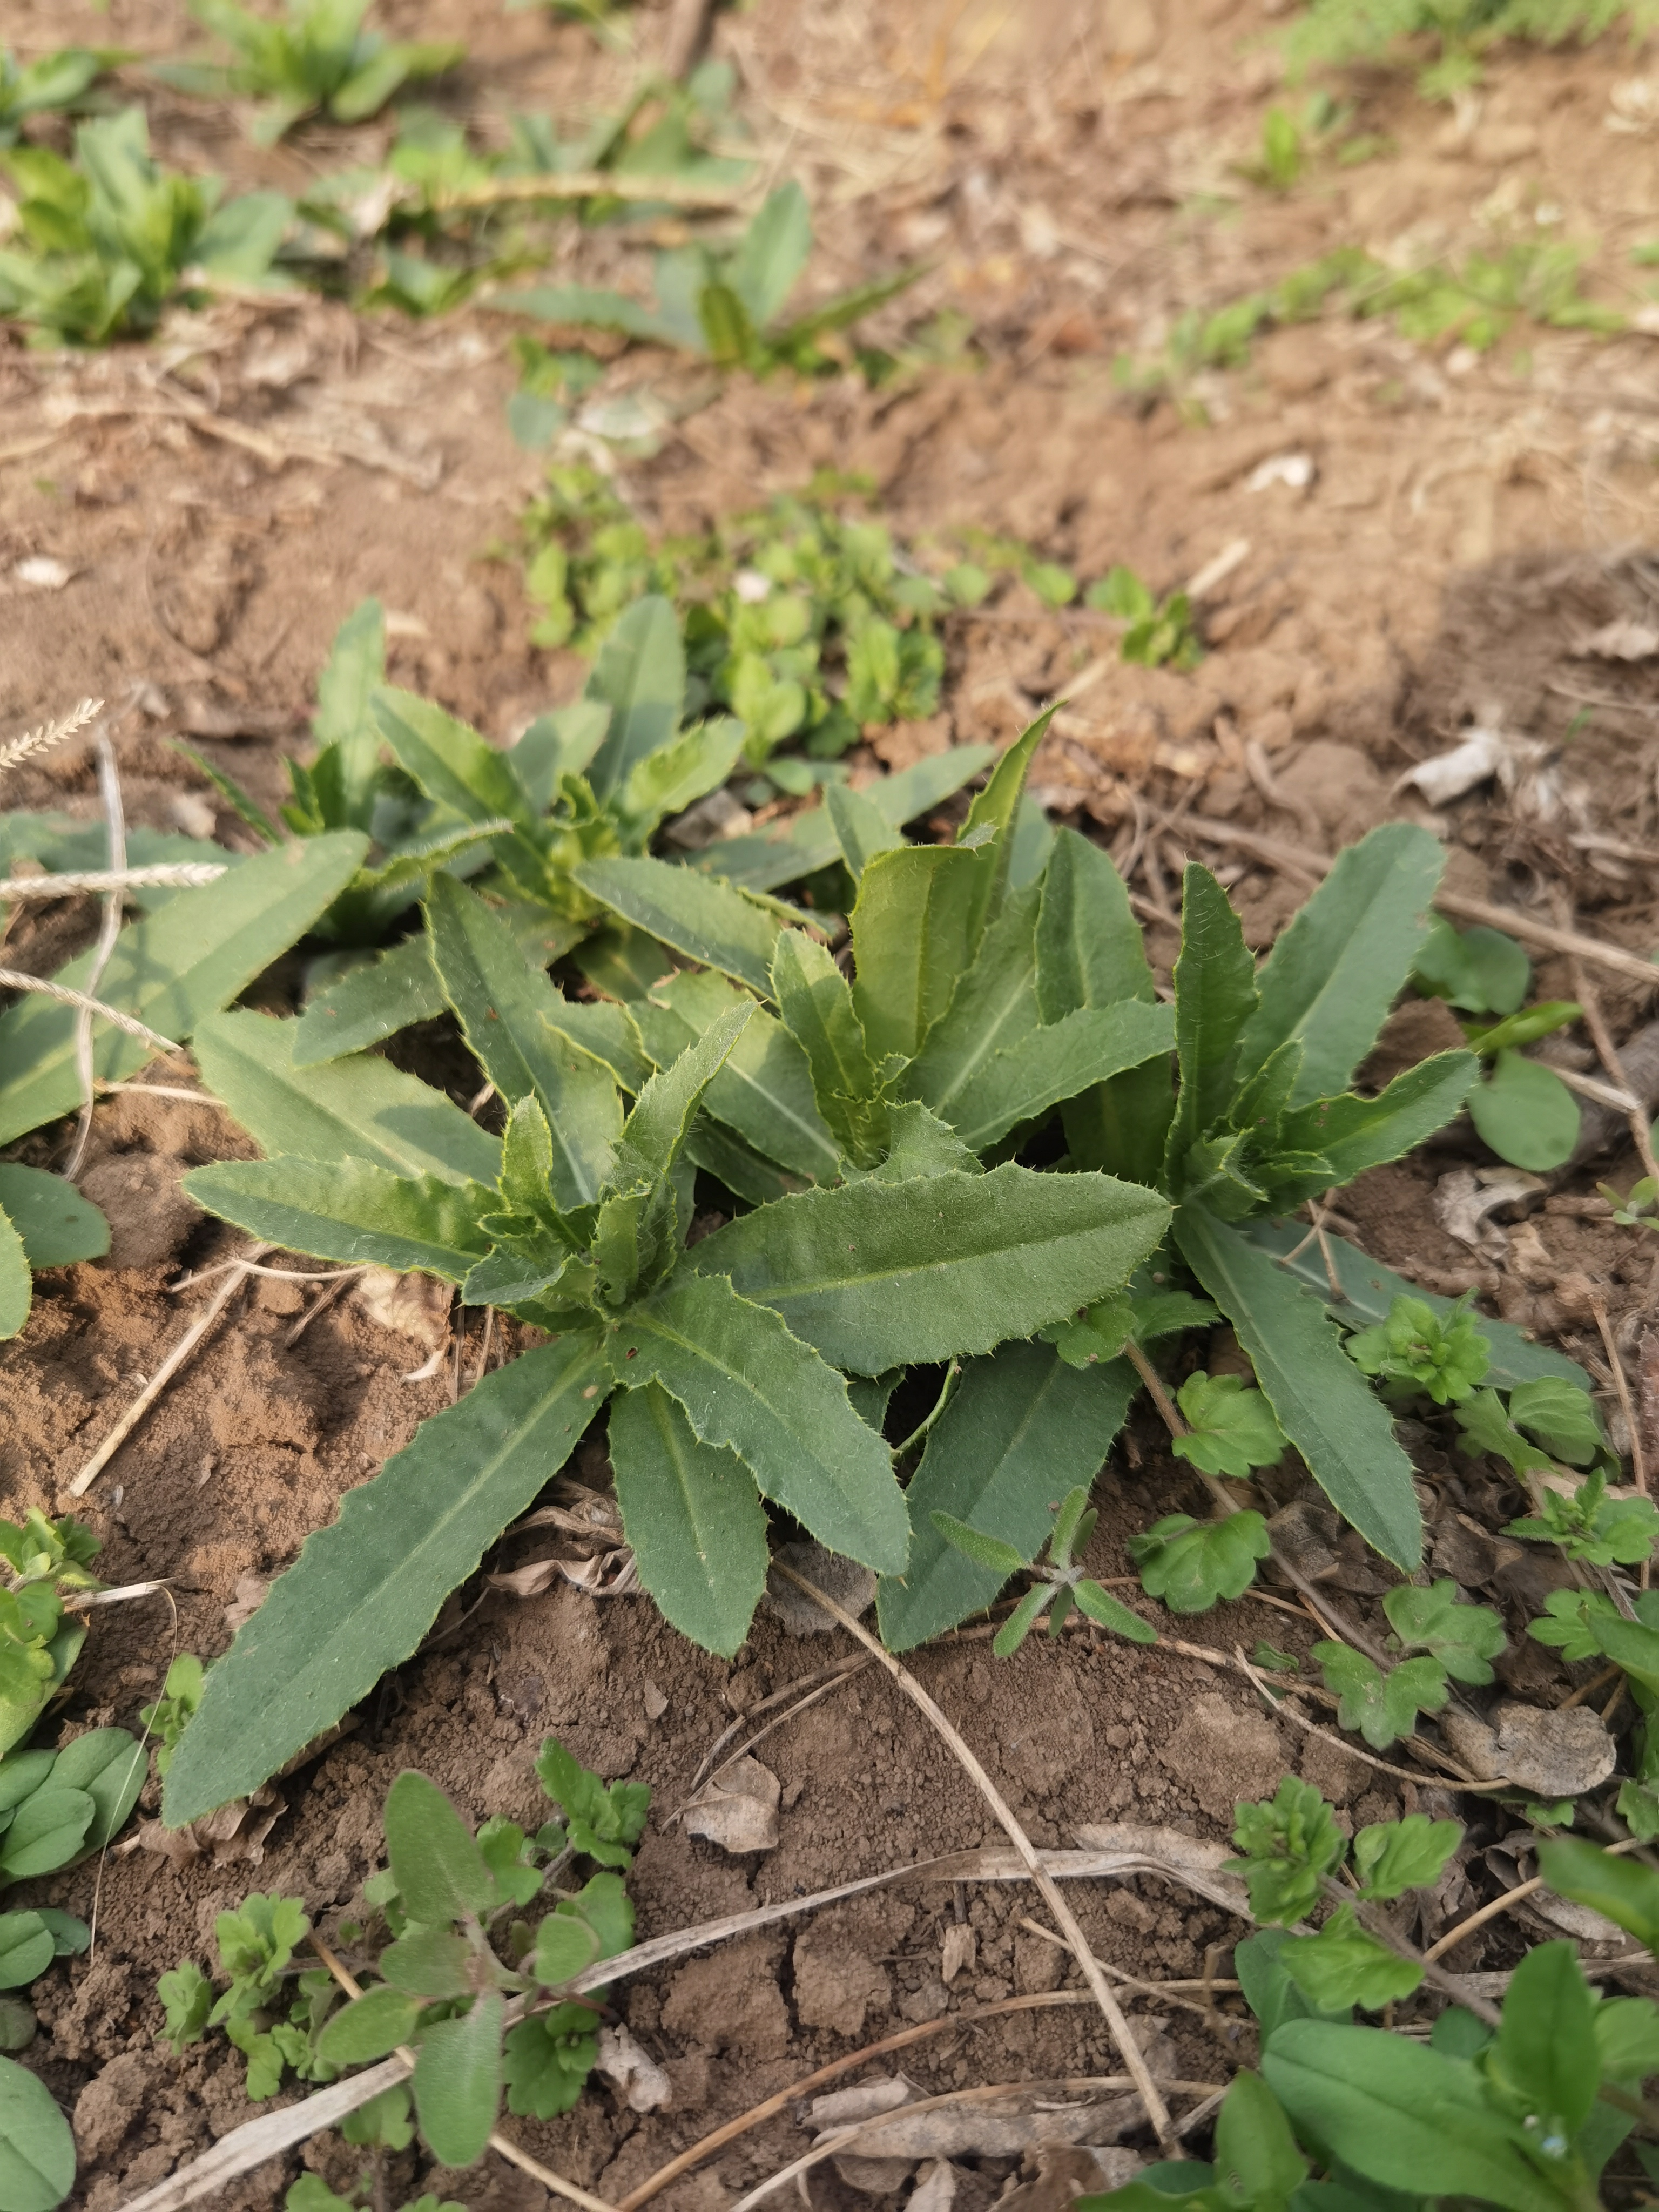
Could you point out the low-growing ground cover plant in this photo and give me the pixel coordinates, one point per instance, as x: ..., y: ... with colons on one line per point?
x: 461, y: 1950
x: 104, y: 241
x: 55, y: 83
x: 1451, y: 35
x: 318, y: 58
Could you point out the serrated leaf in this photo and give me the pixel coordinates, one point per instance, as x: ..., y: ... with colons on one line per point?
x: 640, y: 676
x: 1391, y: 1856
x: 764, y: 1088
x: 1561, y: 1415
x: 365, y: 1590
x: 1344, y: 1965
x: 878, y: 1276
x: 1190, y: 1563
x: 913, y: 938
x: 458, y: 2082
x: 361, y: 1108
x: 57, y: 1226
x: 861, y: 829
x: 919, y: 1143
x: 1320, y: 1399
x: 1215, y: 995
x: 181, y: 964
x: 1334, y: 972
x: 656, y: 1130
x: 815, y: 1003
x: 1355, y: 1133
x: 1463, y: 1638
x: 690, y: 1511
x: 351, y: 1213
x: 1021, y: 1428
x: 1089, y: 947
x: 746, y: 1383
x: 706, y: 920
x: 765, y: 860
x: 1380, y: 1706
x: 506, y: 1010
x: 667, y: 782
x: 1056, y: 1063
x: 992, y: 818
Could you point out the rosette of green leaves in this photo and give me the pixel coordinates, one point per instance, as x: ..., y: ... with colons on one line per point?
x: 103, y: 242
x: 1416, y: 1349
x: 319, y: 58
x: 1060, y: 1582
x: 39, y: 1644
x: 57, y: 83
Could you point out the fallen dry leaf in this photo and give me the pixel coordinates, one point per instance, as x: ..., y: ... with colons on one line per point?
x: 1558, y: 1752
x: 738, y: 1810
x: 961, y: 1948
x: 416, y: 1306
x: 936, y: 2188
x: 1623, y: 640
x: 841, y: 2108
x: 632, y: 2071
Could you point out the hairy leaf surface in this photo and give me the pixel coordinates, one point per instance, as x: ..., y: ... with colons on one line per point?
x: 699, y: 916
x: 690, y: 1512
x: 913, y: 938
x: 351, y: 1213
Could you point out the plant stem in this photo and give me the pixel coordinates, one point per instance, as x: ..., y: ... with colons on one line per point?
x: 940, y: 1404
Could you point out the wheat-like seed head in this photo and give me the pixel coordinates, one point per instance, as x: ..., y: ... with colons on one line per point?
x: 50, y: 734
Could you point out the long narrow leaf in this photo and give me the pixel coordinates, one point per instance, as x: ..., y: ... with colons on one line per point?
x: 364, y: 1592
x: 1215, y: 994
x: 704, y: 918
x: 764, y: 1091
x: 745, y: 1382
x: 350, y: 1212
x: 640, y: 676
x: 877, y: 1275
x: 1355, y: 1134
x: 914, y: 936
x: 1051, y: 1064
x: 690, y: 1512
x: 361, y: 1109
x: 1321, y: 1400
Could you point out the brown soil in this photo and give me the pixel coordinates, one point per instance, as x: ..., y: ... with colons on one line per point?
x: 1068, y: 181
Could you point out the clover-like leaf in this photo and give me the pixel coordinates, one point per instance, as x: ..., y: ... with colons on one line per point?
x: 1290, y: 1842
x: 1190, y: 1563
x: 1392, y: 1856
x: 1463, y: 1638
x: 1570, y: 1621
x: 1344, y: 1965
x: 1380, y: 1706
x: 1230, y: 1429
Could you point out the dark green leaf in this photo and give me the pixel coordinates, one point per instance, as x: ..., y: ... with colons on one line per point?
x: 47, y: 1831
x: 458, y: 2082
x: 878, y: 1276
x: 453, y: 765
x: 747, y: 1384
x: 178, y: 964
x: 369, y: 1002
x: 351, y: 1213
x: 914, y: 936
x: 1561, y: 1415
x: 704, y: 918
x: 16, y: 1286
x: 27, y: 1949
x: 1089, y: 947
x: 1056, y: 1063
x: 1320, y: 1399
x: 1332, y: 974
x: 1355, y: 1133
x: 1215, y: 996
x: 364, y: 1591
x: 1545, y: 2052
x: 764, y: 1088
x: 112, y: 1767
x: 57, y: 1226
x: 690, y: 1513
x: 1256, y: 2154
x: 361, y: 1108
x: 506, y: 1009
x: 861, y: 829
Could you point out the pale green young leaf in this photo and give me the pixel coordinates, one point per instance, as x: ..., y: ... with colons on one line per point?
x: 1290, y: 1842
x: 878, y: 1276
x: 747, y: 1384
x: 1021, y: 1427
x: 365, y: 1590
x: 1256, y: 2157
x: 439, y: 1870
x: 1215, y: 994
x: 698, y: 915
x: 640, y: 676
x: 1406, y: 2118
x: 690, y: 1511
x: 350, y: 1212
x: 1464, y: 1638
x: 815, y: 1003
x: 861, y: 829
x: 1525, y: 1112
x: 606, y: 1031
x: 987, y: 1552
x: 1320, y: 1399
x: 458, y: 2081
x: 1344, y: 1965
x: 765, y: 860
x: 636, y: 1240
x: 995, y: 809
x: 369, y: 2028
x: 1485, y: 1426
x: 919, y: 1143
x: 667, y: 782
x: 994, y: 1010
x: 355, y: 666
x: 913, y: 935
x: 453, y: 765
x: 1334, y: 972
x: 361, y: 1108
x: 1055, y: 1064
x: 1561, y: 1415
x: 1108, y: 1611
x: 1355, y: 1134
x: 1391, y: 1856
x: 181, y: 964
x: 1089, y: 947
x: 506, y: 1010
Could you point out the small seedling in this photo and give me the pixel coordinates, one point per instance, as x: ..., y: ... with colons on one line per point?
x: 1190, y: 1564
x: 1416, y: 1350
x: 1060, y: 1585
x: 172, y: 1711
x: 1563, y: 1420
x: 1638, y: 1208
x: 319, y: 59
x: 56, y: 83
x: 1230, y: 1428
x: 1591, y: 1526
x: 1158, y: 633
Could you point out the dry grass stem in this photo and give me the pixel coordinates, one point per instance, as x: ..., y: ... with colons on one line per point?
x: 1157, y: 2110
x: 186, y: 875
x: 14, y: 979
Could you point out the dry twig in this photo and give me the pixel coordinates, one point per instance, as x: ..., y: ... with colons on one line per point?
x: 50, y: 734
x: 14, y: 979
